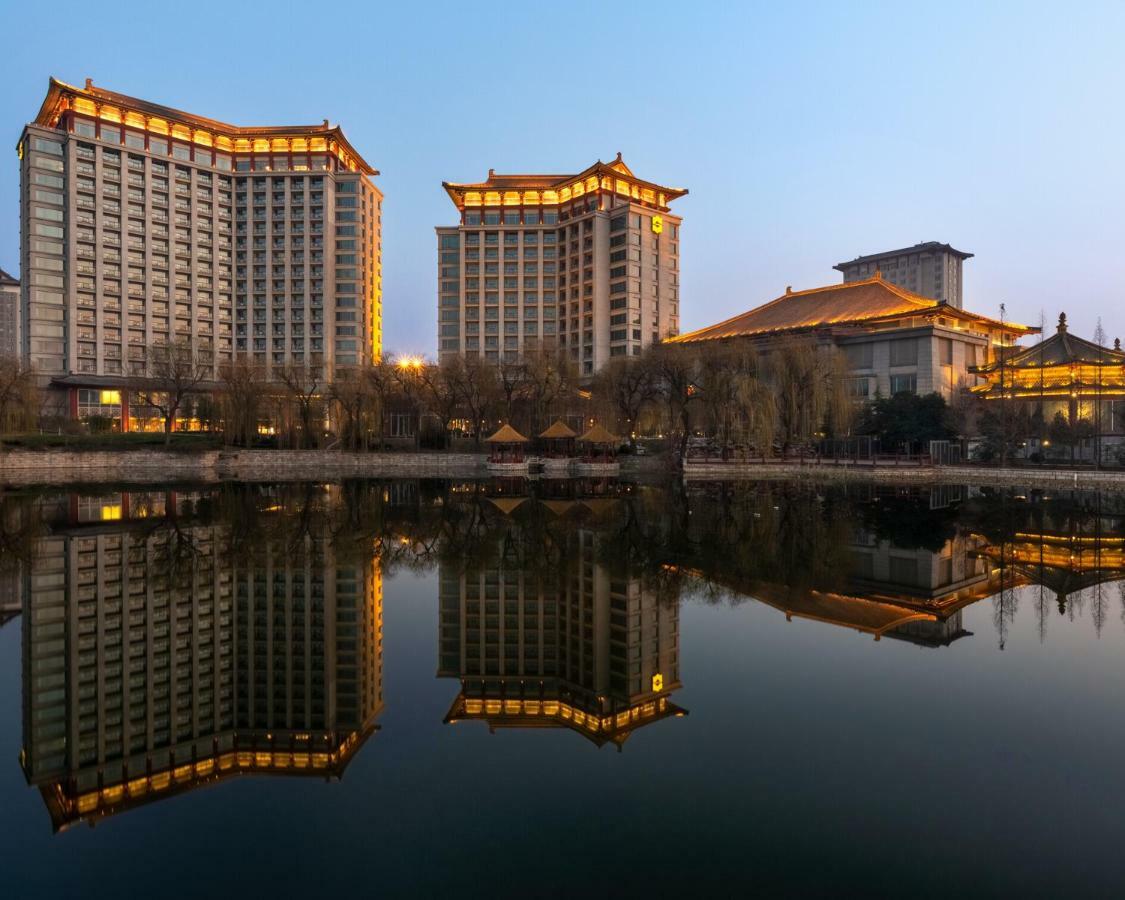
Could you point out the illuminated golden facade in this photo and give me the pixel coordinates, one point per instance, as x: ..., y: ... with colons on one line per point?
x: 577, y: 648
x: 1062, y: 374
x: 590, y: 262
x: 154, y: 662
x: 144, y: 225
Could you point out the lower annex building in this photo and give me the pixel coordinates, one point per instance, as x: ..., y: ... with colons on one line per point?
x: 894, y: 340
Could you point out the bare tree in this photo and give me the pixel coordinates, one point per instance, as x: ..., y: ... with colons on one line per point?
x: 440, y: 395
x: 240, y: 400
x: 303, y: 384
x: 548, y: 376
x: 476, y: 386
x: 18, y: 396
x: 351, y: 392
x: 409, y: 388
x: 383, y: 385
x: 674, y: 366
x: 628, y: 385
x: 512, y: 382
x: 173, y: 373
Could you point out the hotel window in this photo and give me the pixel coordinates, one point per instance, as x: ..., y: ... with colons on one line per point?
x: 84, y: 129
x: 904, y: 384
x: 859, y: 356
x: 904, y: 352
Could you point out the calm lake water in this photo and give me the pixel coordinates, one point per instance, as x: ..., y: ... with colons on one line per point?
x: 416, y: 688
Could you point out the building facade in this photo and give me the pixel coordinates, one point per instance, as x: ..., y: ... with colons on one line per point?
x: 929, y: 270
x: 156, y: 661
x: 9, y: 316
x: 143, y: 225
x: 573, y: 647
x: 894, y: 341
x: 588, y: 262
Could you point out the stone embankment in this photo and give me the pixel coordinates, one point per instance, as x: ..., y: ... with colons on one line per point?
x: 1024, y: 477
x: 60, y: 466
x: 149, y: 466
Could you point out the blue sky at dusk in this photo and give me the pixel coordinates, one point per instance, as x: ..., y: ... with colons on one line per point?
x: 807, y: 133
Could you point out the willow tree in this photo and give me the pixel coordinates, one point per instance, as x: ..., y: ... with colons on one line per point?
x: 809, y: 388
x: 241, y: 387
x: 18, y: 397
x: 737, y: 400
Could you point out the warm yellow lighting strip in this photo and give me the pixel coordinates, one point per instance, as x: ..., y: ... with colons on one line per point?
x: 232, y: 763
x: 564, y: 712
x: 203, y: 138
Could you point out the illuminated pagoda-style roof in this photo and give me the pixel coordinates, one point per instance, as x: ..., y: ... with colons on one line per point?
x: 132, y: 112
x: 1062, y: 365
x: 506, y: 434
x: 558, y: 431
x: 872, y: 301
x: 549, y: 190
x: 1063, y: 563
x: 599, y: 435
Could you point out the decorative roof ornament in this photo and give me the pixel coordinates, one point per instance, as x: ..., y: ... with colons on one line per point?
x: 1062, y: 323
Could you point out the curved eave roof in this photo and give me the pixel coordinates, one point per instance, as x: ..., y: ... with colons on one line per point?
x: 49, y: 113
x: 870, y: 301
x: 1060, y: 349
x: 515, y: 182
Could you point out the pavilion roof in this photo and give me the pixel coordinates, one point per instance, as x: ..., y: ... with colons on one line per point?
x: 598, y: 435
x: 506, y: 435
x: 507, y: 505
x: 558, y: 431
x: 1061, y: 349
x: 853, y: 303
x: 7, y: 279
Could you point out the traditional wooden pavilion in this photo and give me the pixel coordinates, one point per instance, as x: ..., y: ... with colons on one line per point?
x: 506, y: 449
x: 599, y: 445
x: 1062, y: 374
x: 558, y: 440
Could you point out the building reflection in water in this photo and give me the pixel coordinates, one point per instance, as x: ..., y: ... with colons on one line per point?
x: 175, y: 639
x: 156, y: 661
x: 543, y: 634
x: 879, y: 581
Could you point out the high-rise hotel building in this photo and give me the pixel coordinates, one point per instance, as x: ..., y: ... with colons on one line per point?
x: 143, y: 225
x: 588, y: 261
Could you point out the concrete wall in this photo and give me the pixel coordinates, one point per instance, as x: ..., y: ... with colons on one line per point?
x: 61, y: 466
x: 905, y: 474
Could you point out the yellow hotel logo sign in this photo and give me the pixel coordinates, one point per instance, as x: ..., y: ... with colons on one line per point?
x: 658, y: 682
x: 657, y: 224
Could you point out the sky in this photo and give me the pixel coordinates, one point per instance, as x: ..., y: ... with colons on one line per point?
x: 806, y: 133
